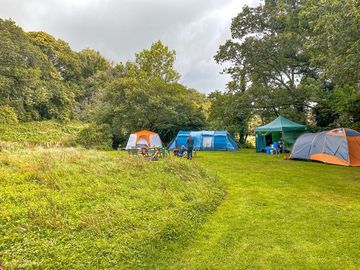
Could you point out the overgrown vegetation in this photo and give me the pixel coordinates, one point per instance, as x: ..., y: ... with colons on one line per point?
x: 41, y: 133
x: 96, y: 136
x: 75, y: 209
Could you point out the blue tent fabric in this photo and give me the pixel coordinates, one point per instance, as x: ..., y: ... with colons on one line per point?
x: 206, y: 140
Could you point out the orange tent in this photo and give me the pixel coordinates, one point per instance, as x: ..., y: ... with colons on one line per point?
x: 143, y: 138
x: 339, y: 146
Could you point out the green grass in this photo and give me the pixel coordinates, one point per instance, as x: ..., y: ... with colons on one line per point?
x: 43, y: 133
x: 66, y: 208
x: 278, y: 214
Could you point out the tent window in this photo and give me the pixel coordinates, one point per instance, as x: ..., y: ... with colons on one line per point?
x: 207, y: 142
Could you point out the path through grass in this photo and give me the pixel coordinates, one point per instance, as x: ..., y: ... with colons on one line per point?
x: 279, y: 215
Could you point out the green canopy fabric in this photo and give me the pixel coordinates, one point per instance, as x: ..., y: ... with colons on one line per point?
x: 281, y: 124
x: 279, y: 129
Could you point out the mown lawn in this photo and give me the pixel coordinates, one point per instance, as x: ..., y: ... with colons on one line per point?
x: 278, y: 214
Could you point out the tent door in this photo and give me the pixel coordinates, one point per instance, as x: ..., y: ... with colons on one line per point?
x: 207, y: 143
x: 268, y: 139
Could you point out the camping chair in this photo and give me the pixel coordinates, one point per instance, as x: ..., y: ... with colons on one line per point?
x: 133, y: 152
x: 164, y: 152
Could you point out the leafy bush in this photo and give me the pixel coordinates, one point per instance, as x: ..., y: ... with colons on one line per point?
x: 96, y: 136
x: 8, y: 115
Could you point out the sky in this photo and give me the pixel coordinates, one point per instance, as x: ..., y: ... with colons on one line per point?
x: 120, y: 28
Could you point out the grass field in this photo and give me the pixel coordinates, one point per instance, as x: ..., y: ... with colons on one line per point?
x: 278, y: 214
x: 70, y: 208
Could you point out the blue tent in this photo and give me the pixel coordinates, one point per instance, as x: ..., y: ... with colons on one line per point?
x: 206, y: 140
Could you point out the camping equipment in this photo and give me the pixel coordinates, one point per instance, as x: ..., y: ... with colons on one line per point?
x: 339, y: 146
x: 281, y: 129
x: 143, y: 138
x: 206, y: 140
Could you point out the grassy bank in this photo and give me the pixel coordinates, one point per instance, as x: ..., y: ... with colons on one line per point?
x: 76, y: 209
x: 44, y: 133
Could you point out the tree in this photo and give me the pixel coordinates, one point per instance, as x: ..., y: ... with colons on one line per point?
x: 59, y: 53
x: 269, y: 67
x: 135, y: 100
x: 231, y: 111
x: 334, y: 47
x: 29, y: 83
x: 158, y: 62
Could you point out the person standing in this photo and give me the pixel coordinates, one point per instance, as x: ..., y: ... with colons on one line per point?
x: 190, y: 147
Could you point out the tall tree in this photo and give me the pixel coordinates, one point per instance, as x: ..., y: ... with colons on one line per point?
x: 29, y: 83
x: 334, y: 46
x: 158, y: 62
x: 268, y: 64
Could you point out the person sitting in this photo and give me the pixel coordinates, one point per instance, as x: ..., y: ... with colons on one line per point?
x: 176, y: 150
x: 281, y: 147
x: 145, y: 151
x: 182, y: 151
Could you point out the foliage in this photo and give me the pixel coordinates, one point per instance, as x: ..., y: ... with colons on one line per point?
x: 29, y: 82
x: 135, y: 101
x: 334, y: 46
x: 7, y: 115
x: 96, y: 136
x: 158, y: 62
x: 296, y: 59
x: 41, y: 133
x: 75, y: 209
x: 230, y: 111
x: 41, y: 77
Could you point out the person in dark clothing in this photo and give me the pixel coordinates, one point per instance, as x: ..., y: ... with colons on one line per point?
x: 190, y: 146
x: 176, y: 150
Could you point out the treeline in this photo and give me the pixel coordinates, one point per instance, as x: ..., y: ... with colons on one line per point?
x: 300, y: 59
x: 43, y: 78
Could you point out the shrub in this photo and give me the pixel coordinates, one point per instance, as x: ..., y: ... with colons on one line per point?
x: 96, y: 136
x: 8, y: 115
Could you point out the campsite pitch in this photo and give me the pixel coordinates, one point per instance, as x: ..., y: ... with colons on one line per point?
x: 279, y: 214
x: 245, y: 211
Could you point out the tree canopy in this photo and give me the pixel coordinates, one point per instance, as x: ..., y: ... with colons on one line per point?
x: 295, y: 58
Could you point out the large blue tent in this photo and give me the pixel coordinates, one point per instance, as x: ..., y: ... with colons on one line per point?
x: 206, y: 140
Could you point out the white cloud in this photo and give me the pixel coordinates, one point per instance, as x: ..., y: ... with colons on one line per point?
x: 118, y: 29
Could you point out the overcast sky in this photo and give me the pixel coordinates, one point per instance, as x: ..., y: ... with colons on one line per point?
x: 119, y: 28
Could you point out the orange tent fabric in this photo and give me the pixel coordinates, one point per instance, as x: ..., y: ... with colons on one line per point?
x: 143, y: 138
x: 339, y: 146
x: 144, y: 135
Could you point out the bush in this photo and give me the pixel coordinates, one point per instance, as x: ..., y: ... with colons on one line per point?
x: 96, y: 136
x: 8, y: 115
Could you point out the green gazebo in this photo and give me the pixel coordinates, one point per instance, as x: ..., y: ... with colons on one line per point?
x: 280, y: 129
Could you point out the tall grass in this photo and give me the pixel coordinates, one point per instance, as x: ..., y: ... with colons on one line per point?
x: 67, y: 208
x: 44, y: 133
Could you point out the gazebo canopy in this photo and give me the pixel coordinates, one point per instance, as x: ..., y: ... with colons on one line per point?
x: 281, y: 124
